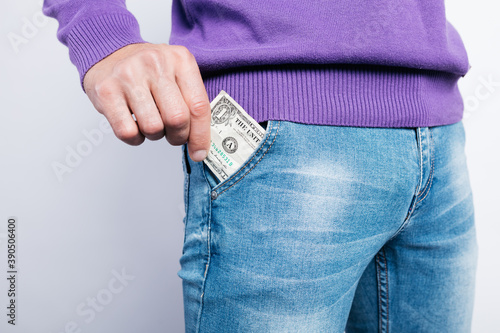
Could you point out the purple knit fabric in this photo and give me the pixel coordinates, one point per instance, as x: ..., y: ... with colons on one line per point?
x: 379, y: 63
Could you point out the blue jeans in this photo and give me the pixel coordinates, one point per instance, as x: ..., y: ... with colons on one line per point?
x: 331, y: 228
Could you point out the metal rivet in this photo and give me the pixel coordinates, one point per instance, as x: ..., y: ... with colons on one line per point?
x: 213, y: 195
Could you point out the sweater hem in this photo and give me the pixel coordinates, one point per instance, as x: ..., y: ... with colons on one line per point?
x: 343, y: 95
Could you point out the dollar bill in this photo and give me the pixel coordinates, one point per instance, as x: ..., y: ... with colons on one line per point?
x: 234, y: 136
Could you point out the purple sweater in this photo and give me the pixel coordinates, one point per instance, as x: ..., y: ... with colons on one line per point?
x: 382, y: 63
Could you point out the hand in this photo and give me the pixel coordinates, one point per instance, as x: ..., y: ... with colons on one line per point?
x: 162, y: 86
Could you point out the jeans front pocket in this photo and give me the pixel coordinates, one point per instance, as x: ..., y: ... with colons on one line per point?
x: 218, y: 187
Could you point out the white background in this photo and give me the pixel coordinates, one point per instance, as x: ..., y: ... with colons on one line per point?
x: 120, y: 207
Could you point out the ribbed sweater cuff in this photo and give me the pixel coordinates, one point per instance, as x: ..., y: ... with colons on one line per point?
x: 344, y: 95
x: 94, y: 39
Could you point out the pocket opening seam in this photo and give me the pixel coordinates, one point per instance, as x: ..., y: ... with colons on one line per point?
x: 254, y: 156
x: 250, y: 160
x: 427, y: 187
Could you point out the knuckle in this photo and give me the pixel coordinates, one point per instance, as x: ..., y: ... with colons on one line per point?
x: 125, y: 133
x: 183, y: 53
x: 105, y: 89
x: 177, y: 121
x: 152, y: 55
x: 154, y: 61
x: 200, y: 107
x: 124, y: 71
x: 152, y: 127
x: 182, y: 50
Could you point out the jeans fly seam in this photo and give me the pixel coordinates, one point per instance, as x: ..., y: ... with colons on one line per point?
x: 260, y: 159
x: 415, y: 196
x: 249, y: 161
x: 427, y: 188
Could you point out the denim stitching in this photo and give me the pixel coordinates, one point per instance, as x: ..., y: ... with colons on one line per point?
x: 379, y: 293
x: 381, y: 269
x: 209, y: 230
x: 432, y: 169
x: 210, y: 223
x: 413, y: 203
x: 260, y: 159
x: 387, y: 288
x: 421, y: 160
x: 249, y: 161
x: 429, y: 179
x: 205, y: 273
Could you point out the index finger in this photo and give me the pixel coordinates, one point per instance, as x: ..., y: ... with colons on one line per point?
x: 193, y: 91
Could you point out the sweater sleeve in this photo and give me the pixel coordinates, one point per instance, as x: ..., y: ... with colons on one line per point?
x: 92, y: 29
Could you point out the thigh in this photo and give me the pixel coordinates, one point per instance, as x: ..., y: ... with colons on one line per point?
x: 422, y: 280
x: 281, y: 245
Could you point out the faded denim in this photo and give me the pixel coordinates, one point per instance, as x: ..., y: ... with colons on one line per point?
x: 332, y: 228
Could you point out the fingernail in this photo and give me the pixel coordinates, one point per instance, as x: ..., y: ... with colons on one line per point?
x: 199, y: 155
